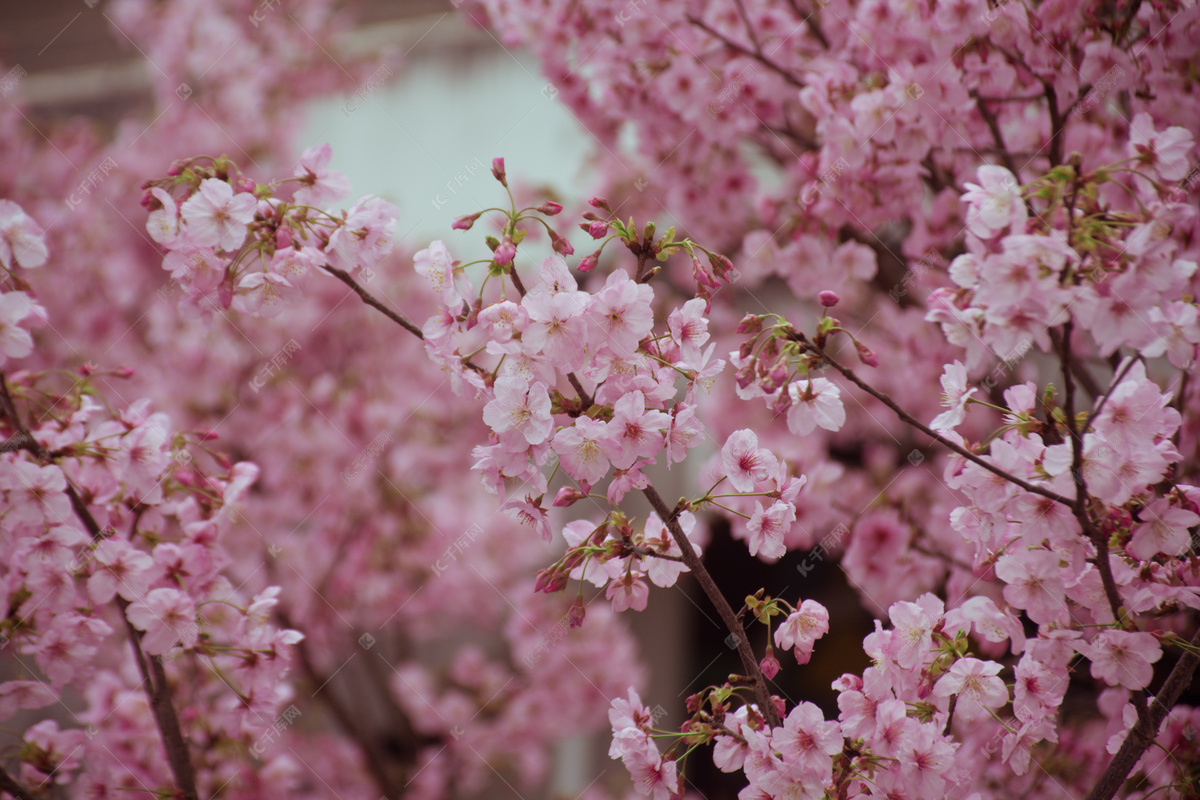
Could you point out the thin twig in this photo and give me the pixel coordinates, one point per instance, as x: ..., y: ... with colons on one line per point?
x: 369, y: 299
x: 732, y: 45
x: 925, y: 429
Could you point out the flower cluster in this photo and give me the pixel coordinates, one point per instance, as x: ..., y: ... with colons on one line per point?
x: 113, y: 529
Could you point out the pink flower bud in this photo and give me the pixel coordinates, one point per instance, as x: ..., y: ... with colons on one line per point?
x: 123, y: 372
x: 770, y: 665
x: 598, y: 202
x: 828, y: 299
x: 549, y: 580
x: 567, y: 496
x: 589, y: 262
x: 498, y: 171
x: 246, y: 185
x: 550, y: 208
x: 208, y: 435
x: 561, y: 245
x: 505, y: 252
x: 866, y: 355
x: 465, y: 222
x: 86, y: 369
x: 751, y: 323
x: 283, y: 237
x: 596, y: 229
x: 149, y: 201
x: 576, y: 614
x: 177, y: 167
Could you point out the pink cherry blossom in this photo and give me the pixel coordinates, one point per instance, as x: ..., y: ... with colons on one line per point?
x: 1164, y: 529
x: 815, y: 403
x: 976, y: 686
x: 22, y: 241
x: 955, y: 396
x: 557, y: 326
x: 995, y: 202
x: 766, y: 529
x: 802, y: 628
x: 120, y: 569
x: 581, y: 449
x: 168, y: 617
x: 634, y: 431
x: 1122, y: 658
x: 319, y: 185
x: 216, y: 217
x: 522, y: 408
x: 1167, y: 152
x: 619, y: 315
x: 689, y: 329
x: 15, y: 341
x: 448, y: 279
x: 745, y: 462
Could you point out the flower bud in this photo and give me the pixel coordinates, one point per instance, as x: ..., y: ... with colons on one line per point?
x: 561, y: 245
x: 828, y: 299
x: 599, y: 202
x: 576, y: 614
x: 589, y: 262
x: 549, y: 208
x: 465, y: 222
x: 549, y: 580
x: 498, y: 171
x: 567, y: 496
x: 505, y: 252
x: 770, y: 665
x: 866, y: 355
x: 177, y: 167
x: 123, y: 372
x: 596, y: 229
x: 750, y: 324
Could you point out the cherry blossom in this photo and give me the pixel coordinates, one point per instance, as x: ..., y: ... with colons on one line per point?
x: 802, y: 628
x: 815, y: 403
x: 216, y: 217
x: 22, y: 241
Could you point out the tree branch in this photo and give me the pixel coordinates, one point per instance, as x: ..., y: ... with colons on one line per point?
x: 154, y: 678
x: 1142, y: 734
x: 749, y: 663
x: 914, y: 422
x: 369, y: 299
x: 7, y: 784
x: 156, y: 688
x: 759, y: 57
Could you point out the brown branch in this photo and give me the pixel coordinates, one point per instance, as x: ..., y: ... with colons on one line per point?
x: 1057, y: 124
x: 157, y: 689
x: 7, y: 784
x: 749, y: 663
x: 1142, y: 734
x: 810, y: 20
x: 376, y: 760
x: 154, y: 679
x: 937, y: 437
x: 369, y: 299
x: 993, y: 125
x: 759, y: 57
x: 1084, y: 378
